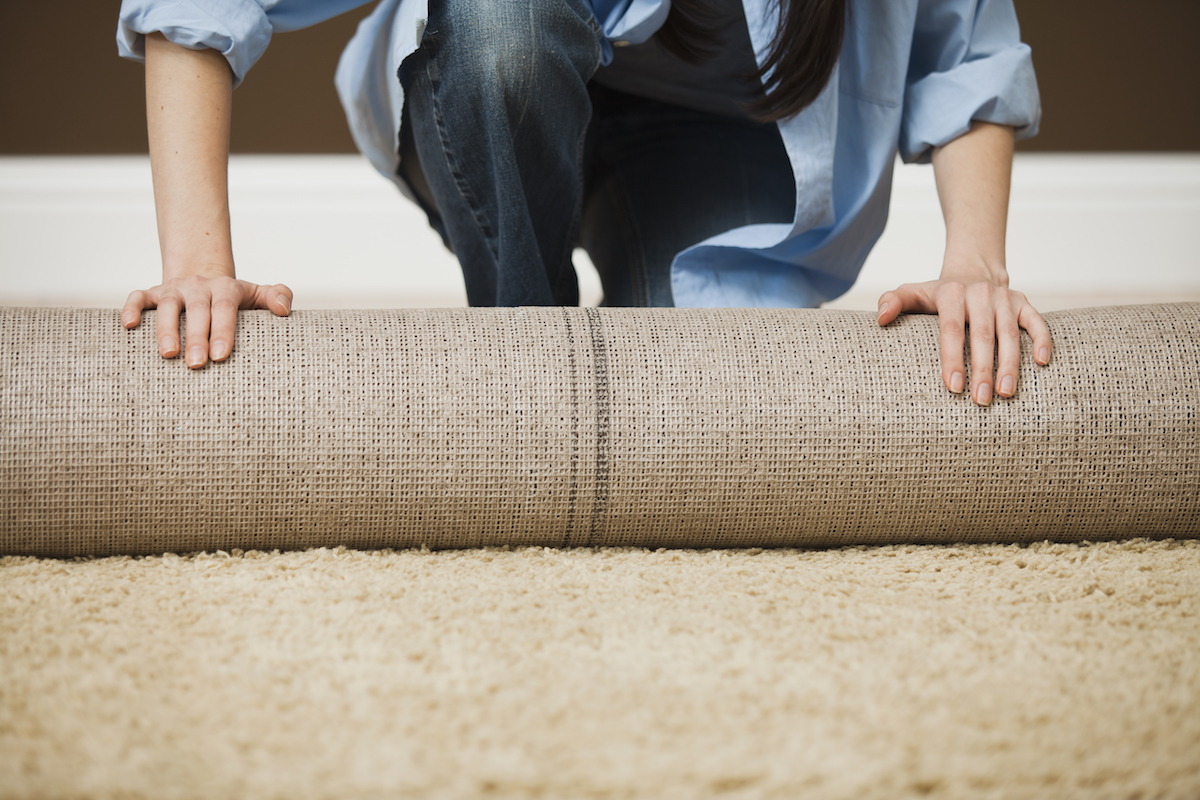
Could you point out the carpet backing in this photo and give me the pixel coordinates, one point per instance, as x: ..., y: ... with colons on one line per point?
x: 583, y: 427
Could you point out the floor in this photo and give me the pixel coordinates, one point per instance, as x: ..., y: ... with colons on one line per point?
x: 983, y: 671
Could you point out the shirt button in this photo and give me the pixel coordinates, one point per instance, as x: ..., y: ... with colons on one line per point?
x: 620, y: 43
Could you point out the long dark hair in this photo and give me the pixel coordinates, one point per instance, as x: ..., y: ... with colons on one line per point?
x: 798, y: 64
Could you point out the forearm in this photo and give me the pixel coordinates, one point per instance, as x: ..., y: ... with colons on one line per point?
x: 973, y: 175
x: 189, y: 95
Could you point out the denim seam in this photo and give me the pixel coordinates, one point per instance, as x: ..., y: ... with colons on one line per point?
x: 577, y: 216
x: 459, y: 179
x: 530, y: 73
x: 576, y: 221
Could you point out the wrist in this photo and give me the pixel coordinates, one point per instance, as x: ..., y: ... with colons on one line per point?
x: 206, y: 251
x: 972, y: 267
x: 217, y: 268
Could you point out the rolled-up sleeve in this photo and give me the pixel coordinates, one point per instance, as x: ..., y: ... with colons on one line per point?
x: 967, y: 63
x: 238, y: 29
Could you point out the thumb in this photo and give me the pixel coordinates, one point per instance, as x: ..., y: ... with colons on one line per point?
x: 909, y: 297
x: 277, y: 299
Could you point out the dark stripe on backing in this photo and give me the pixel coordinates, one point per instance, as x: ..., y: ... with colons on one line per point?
x: 573, y: 381
x: 603, y: 420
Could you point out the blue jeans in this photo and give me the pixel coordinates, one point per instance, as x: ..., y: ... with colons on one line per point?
x: 517, y: 158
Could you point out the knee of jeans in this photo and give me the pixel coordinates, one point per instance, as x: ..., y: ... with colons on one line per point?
x: 519, y: 46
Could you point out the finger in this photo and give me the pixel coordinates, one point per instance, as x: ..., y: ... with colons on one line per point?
x: 198, y: 318
x: 281, y: 303
x: 1008, y: 339
x: 912, y: 297
x: 131, y: 314
x: 226, y: 297
x: 168, y: 325
x: 951, y: 335
x: 1029, y: 319
x: 981, y: 316
x: 277, y: 298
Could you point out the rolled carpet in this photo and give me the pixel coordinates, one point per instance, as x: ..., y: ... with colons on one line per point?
x: 575, y: 427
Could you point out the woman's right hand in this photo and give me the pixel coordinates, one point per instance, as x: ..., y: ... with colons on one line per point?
x: 211, y: 304
x: 189, y: 96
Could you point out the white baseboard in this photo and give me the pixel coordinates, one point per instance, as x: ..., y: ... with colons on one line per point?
x: 81, y: 231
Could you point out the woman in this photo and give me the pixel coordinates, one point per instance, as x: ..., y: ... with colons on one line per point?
x: 704, y: 152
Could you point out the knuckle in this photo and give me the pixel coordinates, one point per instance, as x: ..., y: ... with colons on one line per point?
x: 196, y: 304
x: 983, y: 356
x: 951, y: 327
x: 224, y: 305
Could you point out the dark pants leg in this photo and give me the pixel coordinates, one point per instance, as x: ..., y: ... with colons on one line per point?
x: 497, y: 103
x: 661, y: 178
x: 500, y: 130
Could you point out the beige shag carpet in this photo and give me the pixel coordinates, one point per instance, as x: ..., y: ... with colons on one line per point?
x: 1043, y: 671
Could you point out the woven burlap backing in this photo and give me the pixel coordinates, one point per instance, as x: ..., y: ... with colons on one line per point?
x: 568, y: 427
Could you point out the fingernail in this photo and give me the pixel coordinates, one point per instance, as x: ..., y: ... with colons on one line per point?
x: 127, y: 319
x: 166, y: 345
x: 1006, y: 385
x: 883, y: 307
x: 195, y: 356
x: 956, y: 382
x: 219, y: 349
x: 283, y: 303
x: 1044, y: 355
x: 983, y: 395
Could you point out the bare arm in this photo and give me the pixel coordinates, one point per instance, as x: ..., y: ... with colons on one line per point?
x: 189, y: 96
x: 973, y: 174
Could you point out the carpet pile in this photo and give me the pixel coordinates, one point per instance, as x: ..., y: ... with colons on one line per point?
x: 980, y: 671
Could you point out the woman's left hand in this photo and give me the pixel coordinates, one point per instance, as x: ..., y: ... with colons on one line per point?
x: 994, y: 314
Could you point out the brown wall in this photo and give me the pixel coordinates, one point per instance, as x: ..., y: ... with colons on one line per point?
x: 1110, y: 80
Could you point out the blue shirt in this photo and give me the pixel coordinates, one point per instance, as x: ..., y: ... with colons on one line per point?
x: 911, y: 76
